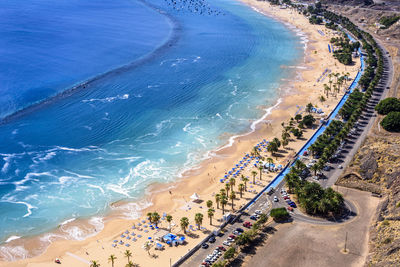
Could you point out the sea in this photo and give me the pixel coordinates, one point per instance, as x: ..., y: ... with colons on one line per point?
x: 99, y: 99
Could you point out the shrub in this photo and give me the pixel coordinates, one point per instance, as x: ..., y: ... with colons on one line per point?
x: 230, y: 253
x: 279, y: 214
x: 387, y: 105
x: 391, y: 122
x: 387, y: 241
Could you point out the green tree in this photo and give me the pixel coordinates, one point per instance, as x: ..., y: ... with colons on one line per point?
x: 232, y: 197
x: 298, y: 117
x: 229, y: 253
x: 209, y: 203
x: 309, y: 107
x: 308, y: 120
x: 210, y: 214
x: 260, y: 168
x: 198, y: 218
x: 128, y: 254
x: 155, y: 218
x: 112, y: 259
x: 391, y: 122
x: 245, y: 180
x: 217, y: 200
x: 184, y: 223
x: 279, y: 214
x: 232, y: 183
x: 254, y: 173
x: 387, y: 105
x: 241, y: 189
x: 94, y: 264
x: 224, y: 201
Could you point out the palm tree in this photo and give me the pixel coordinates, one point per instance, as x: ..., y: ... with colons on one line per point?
x: 198, y: 218
x: 111, y: 259
x: 285, y: 142
x: 261, y: 168
x: 149, y: 216
x: 327, y: 89
x: 241, y: 189
x: 130, y: 264
x: 277, y: 142
x: 314, y: 168
x: 270, y: 162
x: 169, y: 220
x: 147, y: 247
x: 224, y: 201
x: 184, y: 223
x: 209, y: 203
x: 232, y: 197
x: 245, y: 180
x: 254, y: 173
x: 155, y: 218
x: 210, y: 214
x: 227, y: 187
x: 232, y: 183
x: 94, y: 264
x: 217, y: 199
x: 335, y: 89
x: 128, y: 254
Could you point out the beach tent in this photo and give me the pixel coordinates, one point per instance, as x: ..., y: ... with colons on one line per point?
x: 195, y: 197
x: 169, y: 238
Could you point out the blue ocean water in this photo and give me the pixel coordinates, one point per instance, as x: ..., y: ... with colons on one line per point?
x: 168, y: 85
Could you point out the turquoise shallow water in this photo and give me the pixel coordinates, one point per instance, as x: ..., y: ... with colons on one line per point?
x: 168, y: 86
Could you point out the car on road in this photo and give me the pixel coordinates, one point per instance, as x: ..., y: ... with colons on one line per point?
x: 211, y: 239
x: 276, y: 199
x: 252, y: 217
x: 247, y: 224
x: 204, y: 245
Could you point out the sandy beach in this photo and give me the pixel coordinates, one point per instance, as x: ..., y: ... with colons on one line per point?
x: 174, y: 198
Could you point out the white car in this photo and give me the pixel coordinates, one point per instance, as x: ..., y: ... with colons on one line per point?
x: 226, y: 243
x: 276, y: 199
x: 257, y: 212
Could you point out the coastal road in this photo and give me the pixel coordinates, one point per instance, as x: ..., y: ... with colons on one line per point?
x: 366, y: 122
x: 265, y: 203
x: 198, y: 257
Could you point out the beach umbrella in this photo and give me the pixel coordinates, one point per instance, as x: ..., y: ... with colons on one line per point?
x: 149, y: 237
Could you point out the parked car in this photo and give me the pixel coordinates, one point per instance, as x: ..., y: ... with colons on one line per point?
x: 240, y: 230
x: 293, y: 205
x: 289, y: 208
x: 204, y: 245
x: 211, y: 239
x: 226, y: 243
x: 236, y: 232
x: 257, y: 212
x: 276, y: 199
x: 232, y: 236
x: 221, y: 248
x: 286, y: 197
x: 247, y: 224
x: 252, y: 217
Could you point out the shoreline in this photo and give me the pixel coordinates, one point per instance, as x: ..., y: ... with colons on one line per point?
x: 223, y: 158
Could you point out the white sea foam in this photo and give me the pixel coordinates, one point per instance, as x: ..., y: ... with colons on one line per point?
x: 13, y: 253
x: 106, y: 99
x: 11, y: 238
x: 97, y: 187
